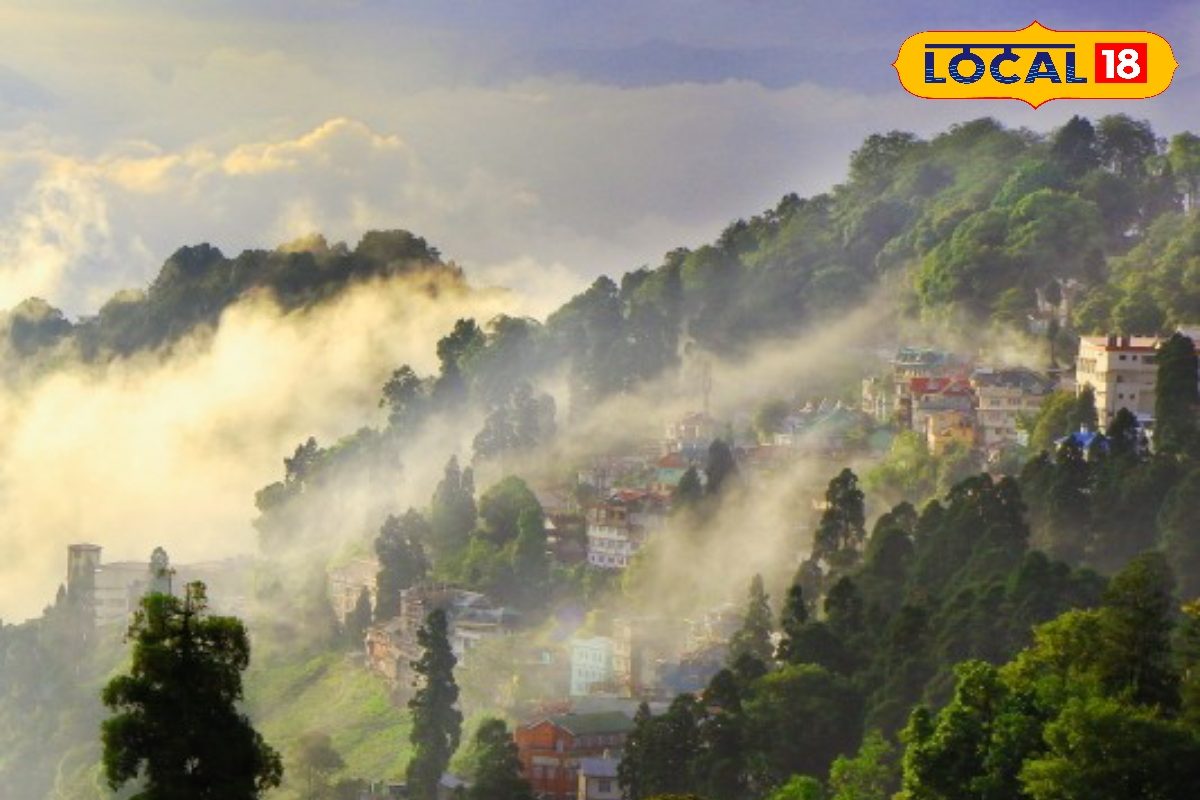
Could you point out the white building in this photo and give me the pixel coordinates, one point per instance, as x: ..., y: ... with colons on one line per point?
x: 1121, y: 371
x: 598, y: 779
x: 591, y: 664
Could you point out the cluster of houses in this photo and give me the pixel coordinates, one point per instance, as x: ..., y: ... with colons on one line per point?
x: 950, y: 402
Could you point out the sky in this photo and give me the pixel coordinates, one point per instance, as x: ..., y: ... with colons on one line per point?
x: 536, y: 142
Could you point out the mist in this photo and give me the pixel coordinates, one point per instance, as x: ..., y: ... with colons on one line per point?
x: 168, y: 448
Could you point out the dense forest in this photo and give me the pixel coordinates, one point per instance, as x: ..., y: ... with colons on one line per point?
x: 1003, y: 640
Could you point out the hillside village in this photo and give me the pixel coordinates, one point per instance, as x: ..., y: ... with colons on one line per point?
x: 587, y: 682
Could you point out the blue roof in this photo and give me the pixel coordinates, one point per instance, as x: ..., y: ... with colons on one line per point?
x: 1083, y: 439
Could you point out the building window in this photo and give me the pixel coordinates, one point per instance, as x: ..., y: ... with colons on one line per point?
x: 604, y: 785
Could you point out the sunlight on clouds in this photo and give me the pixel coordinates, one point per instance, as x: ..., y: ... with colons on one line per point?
x: 334, y: 140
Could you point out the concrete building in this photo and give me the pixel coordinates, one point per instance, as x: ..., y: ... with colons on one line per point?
x: 929, y: 396
x: 1121, y: 371
x: 592, y: 667
x: 112, y: 591
x: 1002, y: 396
x: 618, y: 526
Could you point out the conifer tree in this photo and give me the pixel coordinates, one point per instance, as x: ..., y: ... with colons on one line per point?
x: 754, y: 637
x: 436, y: 721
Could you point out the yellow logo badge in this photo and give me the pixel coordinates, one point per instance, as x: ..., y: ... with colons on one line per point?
x: 1035, y: 65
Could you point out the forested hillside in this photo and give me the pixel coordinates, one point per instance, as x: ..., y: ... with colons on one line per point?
x: 963, y: 649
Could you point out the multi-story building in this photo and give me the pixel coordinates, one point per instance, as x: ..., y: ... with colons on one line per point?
x: 592, y: 667
x: 617, y: 527
x: 928, y: 396
x: 1121, y: 371
x: 110, y: 592
x: 1002, y: 397
x: 551, y: 749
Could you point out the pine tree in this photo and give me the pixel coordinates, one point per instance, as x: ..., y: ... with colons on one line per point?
x: 754, y: 637
x: 452, y: 511
x: 1175, y: 398
x: 436, y: 722
x: 689, y: 491
x: 402, y: 560
x: 791, y: 623
x: 720, y: 467
x: 841, y: 533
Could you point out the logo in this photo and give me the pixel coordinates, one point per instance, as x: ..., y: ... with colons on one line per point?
x: 1035, y: 65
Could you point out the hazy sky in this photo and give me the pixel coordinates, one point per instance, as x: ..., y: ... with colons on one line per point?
x: 537, y: 142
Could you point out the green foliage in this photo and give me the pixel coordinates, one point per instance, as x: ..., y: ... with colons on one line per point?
x: 315, y: 761
x: 502, y: 506
x: 753, y: 638
x: 840, y: 534
x: 658, y: 754
x: 497, y: 771
x: 452, y: 510
x: 436, y: 721
x: 1175, y: 399
x: 402, y: 560
x: 176, y: 727
x: 801, y: 717
x: 871, y: 774
x: 799, y: 787
x: 1088, y: 710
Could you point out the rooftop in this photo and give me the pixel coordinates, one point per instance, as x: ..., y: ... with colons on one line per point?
x: 593, y: 724
x: 598, y: 767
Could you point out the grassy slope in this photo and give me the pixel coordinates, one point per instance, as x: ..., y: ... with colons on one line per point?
x: 329, y: 692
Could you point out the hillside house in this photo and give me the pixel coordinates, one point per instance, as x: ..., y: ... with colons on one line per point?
x: 598, y: 779
x: 1002, y: 397
x: 551, y: 749
x: 472, y: 618
x: 927, y: 396
x: 618, y: 526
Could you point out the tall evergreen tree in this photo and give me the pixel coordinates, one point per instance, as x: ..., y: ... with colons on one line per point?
x: 841, y: 532
x: 452, y: 511
x: 720, y: 467
x: 402, y: 561
x: 436, y: 721
x: 791, y: 623
x: 754, y: 637
x: 689, y: 491
x: 1175, y: 398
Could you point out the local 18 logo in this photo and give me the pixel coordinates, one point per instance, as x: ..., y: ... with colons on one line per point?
x: 1035, y: 65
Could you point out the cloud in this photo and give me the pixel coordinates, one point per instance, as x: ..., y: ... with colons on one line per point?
x: 338, y: 140
x: 169, y: 449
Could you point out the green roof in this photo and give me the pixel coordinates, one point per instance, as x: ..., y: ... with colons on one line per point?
x: 593, y: 724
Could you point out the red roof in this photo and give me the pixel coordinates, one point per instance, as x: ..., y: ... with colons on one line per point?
x: 951, y: 387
